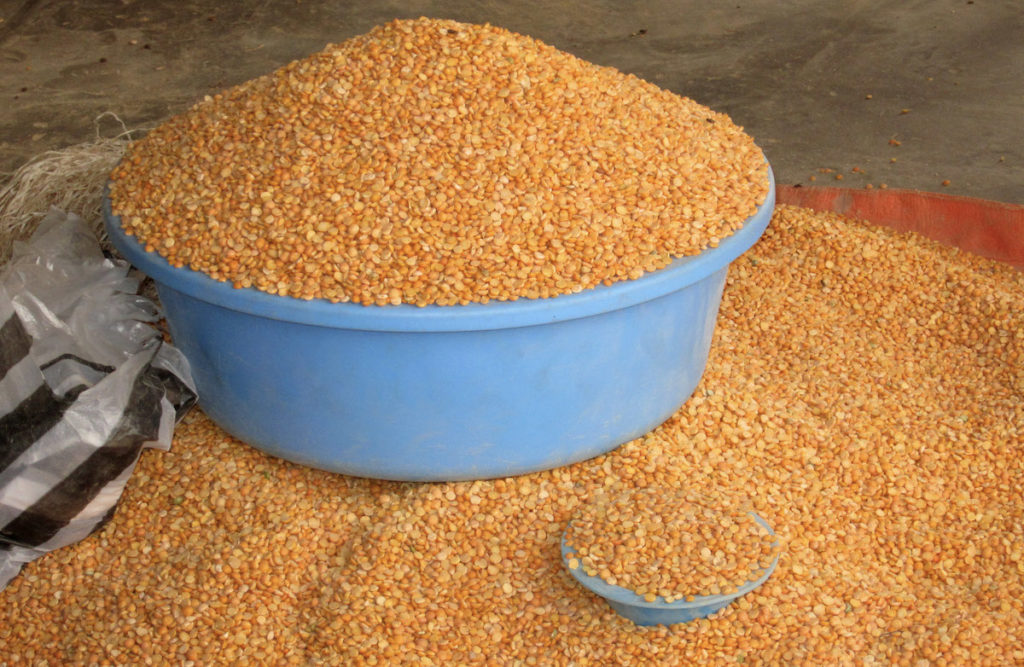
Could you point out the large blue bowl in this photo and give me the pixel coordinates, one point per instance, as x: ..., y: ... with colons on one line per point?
x: 446, y: 392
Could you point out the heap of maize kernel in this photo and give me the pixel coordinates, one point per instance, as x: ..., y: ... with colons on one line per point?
x: 435, y: 162
x: 668, y: 544
x: 865, y: 392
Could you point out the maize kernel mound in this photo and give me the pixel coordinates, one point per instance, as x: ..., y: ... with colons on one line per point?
x: 870, y: 410
x: 669, y: 544
x: 435, y: 162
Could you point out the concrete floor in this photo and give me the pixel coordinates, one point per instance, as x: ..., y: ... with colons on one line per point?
x: 819, y: 85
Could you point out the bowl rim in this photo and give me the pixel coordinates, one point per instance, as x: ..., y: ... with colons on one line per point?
x: 522, y: 312
x: 626, y: 597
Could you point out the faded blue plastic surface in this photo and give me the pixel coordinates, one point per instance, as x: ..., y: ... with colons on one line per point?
x: 632, y: 606
x: 446, y: 392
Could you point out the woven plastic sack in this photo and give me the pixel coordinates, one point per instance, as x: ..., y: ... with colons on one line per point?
x: 85, y: 384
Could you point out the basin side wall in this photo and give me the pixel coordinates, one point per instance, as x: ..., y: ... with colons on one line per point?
x: 431, y: 406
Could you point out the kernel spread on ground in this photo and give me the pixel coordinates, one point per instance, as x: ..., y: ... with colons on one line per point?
x: 865, y: 393
x: 435, y: 162
x: 670, y: 544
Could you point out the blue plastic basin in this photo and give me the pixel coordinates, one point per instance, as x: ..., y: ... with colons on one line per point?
x: 446, y: 392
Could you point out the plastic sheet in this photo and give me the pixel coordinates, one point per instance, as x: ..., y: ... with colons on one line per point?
x: 85, y: 384
x: 991, y: 229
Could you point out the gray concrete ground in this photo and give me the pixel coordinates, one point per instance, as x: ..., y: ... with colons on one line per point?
x: 820, y: 85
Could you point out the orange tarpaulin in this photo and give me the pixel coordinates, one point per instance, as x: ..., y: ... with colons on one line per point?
x: 991, y: 229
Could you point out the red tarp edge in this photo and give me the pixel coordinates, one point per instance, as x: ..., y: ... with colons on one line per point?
x: 987, y: 228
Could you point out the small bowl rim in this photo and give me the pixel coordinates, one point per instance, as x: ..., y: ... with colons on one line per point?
x: 433, y: 318
x: 626, y: 597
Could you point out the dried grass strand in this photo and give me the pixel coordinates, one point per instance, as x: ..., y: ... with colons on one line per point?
x: 71, y: 179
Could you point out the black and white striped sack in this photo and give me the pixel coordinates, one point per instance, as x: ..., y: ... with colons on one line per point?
x: 86, y: 383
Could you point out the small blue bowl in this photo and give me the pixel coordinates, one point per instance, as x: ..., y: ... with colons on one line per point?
x: 446, y: 392
x: 641, y: 612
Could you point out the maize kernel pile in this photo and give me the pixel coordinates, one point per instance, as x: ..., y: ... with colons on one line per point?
x: 864, y: 395
x: 435, y: 162
x: 668, y: 544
